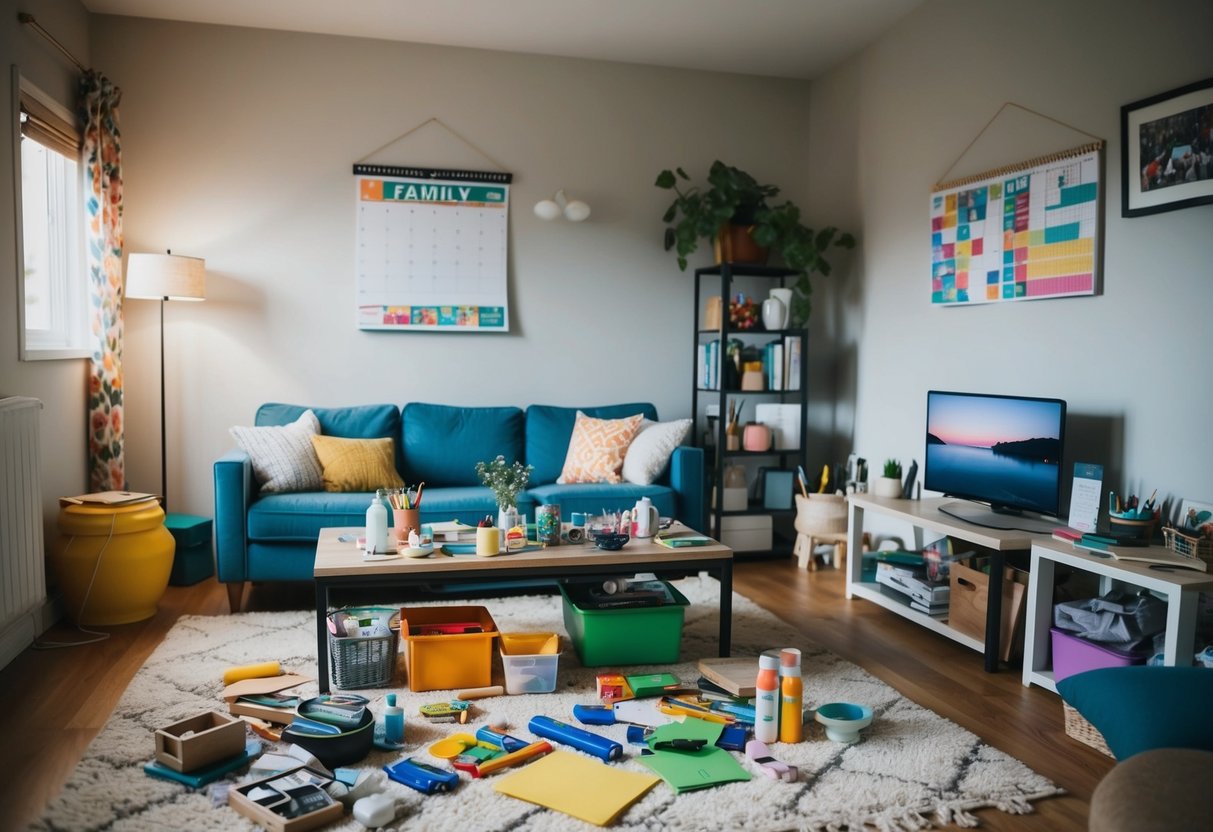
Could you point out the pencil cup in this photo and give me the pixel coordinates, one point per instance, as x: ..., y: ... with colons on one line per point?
x: 405, y: 520
x: 488, y: 541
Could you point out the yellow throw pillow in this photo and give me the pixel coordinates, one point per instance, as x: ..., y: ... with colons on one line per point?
x: 597, y: 448
x: 356, y: 464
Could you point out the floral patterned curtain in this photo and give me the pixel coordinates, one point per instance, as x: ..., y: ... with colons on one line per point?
x: 103, y: 202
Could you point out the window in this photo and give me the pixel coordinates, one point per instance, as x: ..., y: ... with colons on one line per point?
x: 53, y: 289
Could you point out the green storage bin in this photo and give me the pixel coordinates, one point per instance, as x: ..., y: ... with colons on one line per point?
x: 629, y: 635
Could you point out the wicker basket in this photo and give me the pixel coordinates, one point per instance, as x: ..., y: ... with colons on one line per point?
x: 1078, y: 728
x: 364, y: 662
x: 1189, y: 546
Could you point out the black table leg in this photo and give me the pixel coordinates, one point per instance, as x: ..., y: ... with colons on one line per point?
x: 322, y: 645
x: 994, y: 612
x: 726, y: 608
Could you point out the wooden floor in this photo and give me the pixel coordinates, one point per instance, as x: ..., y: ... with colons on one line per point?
x: 53, y: 702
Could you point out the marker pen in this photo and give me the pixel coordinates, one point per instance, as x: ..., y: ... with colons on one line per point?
x: 581, y: 739
x: 527, y: 752
x: 500, y: 739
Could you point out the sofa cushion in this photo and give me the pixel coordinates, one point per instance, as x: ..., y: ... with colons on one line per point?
x: 300, y: 517
x: 594, y: 498
x: 549, y: 429
x: 597, y: 448
x: 356, y: 464
x: 649, y: 454
x: 442, y: 444
x: 282, y: 456
x: 1138, y: 708
x: 364, y: 421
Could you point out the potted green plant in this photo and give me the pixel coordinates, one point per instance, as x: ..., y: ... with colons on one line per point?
x: 732, y: 200
x: 888, y: 485
x: 506, y: 481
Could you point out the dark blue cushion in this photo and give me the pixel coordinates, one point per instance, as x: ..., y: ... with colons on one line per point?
x: 1139, y: 708
x: 442, y: 444
x: 549, y: 429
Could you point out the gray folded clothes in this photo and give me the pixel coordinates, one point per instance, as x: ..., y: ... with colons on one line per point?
x: 1121, y: 618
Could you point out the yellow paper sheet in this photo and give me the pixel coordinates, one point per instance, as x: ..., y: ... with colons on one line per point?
x: 577, y: 785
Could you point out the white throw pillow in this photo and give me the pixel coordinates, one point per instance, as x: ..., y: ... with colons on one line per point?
x: 649, y: 453
x: 282, y: 455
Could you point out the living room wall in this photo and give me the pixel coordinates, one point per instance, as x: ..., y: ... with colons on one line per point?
x: 238, y: 146
x: 891, y: 122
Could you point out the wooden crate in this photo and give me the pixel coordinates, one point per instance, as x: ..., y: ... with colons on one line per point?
x: 967, y: 604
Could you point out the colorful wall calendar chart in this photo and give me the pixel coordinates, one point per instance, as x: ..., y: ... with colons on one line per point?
x: 431, y: 249
x: 1023, y: 232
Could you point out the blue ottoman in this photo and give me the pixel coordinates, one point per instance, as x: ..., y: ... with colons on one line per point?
x: 194, y: 560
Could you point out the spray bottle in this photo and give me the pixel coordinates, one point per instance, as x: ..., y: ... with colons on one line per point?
x: 766, y: 702
x: 791, y: 711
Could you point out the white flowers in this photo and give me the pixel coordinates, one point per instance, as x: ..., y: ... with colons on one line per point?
x: 504, y: 480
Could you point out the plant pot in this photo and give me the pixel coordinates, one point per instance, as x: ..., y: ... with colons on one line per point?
x: 735, y: 245
x: 886, y: 487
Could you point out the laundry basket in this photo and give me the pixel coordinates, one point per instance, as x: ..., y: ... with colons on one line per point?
x: 363, y: 661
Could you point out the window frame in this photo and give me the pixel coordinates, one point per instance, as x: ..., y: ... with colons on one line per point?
x: 68, y: 338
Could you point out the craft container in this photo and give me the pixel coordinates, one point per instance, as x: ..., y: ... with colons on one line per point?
x: 241, y: 803
x: 336, y: 750
x: 1072, y: 654
x: 197, y: 742
x: 530, y: 661
x: 363, y: 662
x: 439, y: 660
x: 625, y: 635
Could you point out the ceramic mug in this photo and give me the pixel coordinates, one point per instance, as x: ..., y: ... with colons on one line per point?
x: 488, y: 541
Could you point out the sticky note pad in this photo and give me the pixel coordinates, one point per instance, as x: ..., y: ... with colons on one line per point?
x: 577, y: 785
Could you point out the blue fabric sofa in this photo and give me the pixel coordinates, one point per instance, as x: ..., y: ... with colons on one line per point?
x: 272, y: 537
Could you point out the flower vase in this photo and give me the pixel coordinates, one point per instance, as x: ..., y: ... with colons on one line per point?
x: 507, y: 517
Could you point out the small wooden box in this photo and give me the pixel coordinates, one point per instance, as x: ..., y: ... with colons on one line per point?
x: 196, y: 742
x: 967, y: 602
x: 241, y: 802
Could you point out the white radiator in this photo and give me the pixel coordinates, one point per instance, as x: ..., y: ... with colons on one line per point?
x: 22, y: 569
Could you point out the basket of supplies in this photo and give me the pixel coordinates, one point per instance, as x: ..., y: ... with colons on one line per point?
x: 362, y: 646
x: 1189, y: 546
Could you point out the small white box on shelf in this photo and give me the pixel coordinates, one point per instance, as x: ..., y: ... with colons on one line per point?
x: 747, y: 533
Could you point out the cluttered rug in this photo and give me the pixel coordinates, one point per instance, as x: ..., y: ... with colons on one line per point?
x: 912, y: 769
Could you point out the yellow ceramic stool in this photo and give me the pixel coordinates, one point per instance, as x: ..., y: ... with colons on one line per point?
x: 112, y: 562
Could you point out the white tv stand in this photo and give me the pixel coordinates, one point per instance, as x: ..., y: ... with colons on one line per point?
x: 923, y: 515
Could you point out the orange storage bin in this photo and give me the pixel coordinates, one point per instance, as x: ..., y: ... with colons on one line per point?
x: 439, y: 656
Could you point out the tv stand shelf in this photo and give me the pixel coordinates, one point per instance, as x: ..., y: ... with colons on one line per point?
x: 923, y: 515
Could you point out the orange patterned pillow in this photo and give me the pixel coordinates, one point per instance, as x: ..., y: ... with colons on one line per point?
x: 597, y: 448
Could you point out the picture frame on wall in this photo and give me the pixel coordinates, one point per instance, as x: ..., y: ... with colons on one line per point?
x: 1166, y: 151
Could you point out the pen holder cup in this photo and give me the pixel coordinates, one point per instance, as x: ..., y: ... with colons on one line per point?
x: 405, y: 520
x: 1138, y: 528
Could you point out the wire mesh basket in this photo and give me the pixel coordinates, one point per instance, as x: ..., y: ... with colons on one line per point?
x: 363, y: 661
x: 1189, y: 546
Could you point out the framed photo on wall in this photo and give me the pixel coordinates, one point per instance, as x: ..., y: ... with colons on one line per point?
x: 1166, y: 151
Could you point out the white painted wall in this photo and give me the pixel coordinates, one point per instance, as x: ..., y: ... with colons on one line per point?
x: 238, y: 146
x: 1131, y: 362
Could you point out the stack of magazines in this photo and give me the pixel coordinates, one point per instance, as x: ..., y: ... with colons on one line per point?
x: 910, y: 585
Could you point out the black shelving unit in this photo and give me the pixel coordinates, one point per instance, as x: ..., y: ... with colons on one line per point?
x: 719, y: 281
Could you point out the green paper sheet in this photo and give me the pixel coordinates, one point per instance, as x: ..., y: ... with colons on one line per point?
x: 688, y: 770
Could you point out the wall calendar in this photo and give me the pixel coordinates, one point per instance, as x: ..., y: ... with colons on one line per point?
x: 1023, y: 232
x: 431, y: 249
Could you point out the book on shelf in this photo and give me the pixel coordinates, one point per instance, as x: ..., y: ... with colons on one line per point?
x: 792, y: 361
x: 916, y: 586
x: 933, y: 610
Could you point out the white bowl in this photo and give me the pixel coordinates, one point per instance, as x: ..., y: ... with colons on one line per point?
x: 843, y: 721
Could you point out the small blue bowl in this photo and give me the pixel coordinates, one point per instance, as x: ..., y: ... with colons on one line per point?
x: 843, y: 720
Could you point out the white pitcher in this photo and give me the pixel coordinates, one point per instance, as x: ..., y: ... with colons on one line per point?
x: 645, y: 518
x: 774, y: 313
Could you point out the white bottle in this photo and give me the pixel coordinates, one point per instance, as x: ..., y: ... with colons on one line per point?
x: 376, y: 525
x: 766, y: 701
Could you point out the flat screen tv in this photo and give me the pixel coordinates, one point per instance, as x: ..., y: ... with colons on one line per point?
x: 1002, y: 451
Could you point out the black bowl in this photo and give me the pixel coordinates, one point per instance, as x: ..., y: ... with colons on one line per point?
x: 336, y: 750
x: 611, y: 541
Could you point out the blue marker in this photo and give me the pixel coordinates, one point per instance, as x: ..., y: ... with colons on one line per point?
x: 500, y: 739
x: 581, y: 739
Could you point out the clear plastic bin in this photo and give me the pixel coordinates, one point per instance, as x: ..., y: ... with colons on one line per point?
x: 530, y: 661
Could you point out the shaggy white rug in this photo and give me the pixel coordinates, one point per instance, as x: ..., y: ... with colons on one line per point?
x: 912, y: 769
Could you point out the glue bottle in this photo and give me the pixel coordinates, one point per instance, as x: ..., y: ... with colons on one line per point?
x: 791, y: 711
x: 766, y: 702
x: 376, y: 524
x: 393, y: 721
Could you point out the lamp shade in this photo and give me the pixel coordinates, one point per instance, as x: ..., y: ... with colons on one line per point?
x: 165, y: 276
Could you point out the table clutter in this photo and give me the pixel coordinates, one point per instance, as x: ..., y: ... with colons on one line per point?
x: 304, y: 751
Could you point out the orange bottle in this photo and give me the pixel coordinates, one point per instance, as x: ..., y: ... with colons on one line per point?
x: 791, y: 696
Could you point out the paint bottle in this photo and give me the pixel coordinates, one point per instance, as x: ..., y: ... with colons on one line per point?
x: 766, y: 701
x: 393, y: 721
x: 791, y: 690
x: 376, y: 524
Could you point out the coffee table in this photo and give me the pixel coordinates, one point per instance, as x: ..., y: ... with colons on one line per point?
x: 340, y: 564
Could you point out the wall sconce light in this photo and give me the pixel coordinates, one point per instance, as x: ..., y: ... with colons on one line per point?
x: 573, y: 210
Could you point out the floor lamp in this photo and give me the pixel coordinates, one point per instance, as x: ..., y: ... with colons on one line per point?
x: 165, y: 277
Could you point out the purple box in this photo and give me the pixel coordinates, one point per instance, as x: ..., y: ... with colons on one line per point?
x: 1072, y: 654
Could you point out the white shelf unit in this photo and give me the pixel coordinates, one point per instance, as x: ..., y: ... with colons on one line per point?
x: 1180, y: 588
x: 924, y: 515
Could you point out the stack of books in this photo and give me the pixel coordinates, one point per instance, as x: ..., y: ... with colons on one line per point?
x: 910, y: 585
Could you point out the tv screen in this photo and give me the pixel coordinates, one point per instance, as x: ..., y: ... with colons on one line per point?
x: 1001, y: 450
